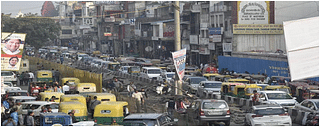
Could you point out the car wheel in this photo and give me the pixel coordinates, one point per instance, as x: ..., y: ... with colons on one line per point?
x: 227, y: 123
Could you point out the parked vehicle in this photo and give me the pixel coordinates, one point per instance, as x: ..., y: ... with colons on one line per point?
x: 81, y: 112
x: 209, y: 111
x: 53, y: 119
x: 110, y: 113
x: 277, y: 97
x: 17, y: 99
x: 36, y: 107
x: 149, y: 119
x: 49, y: 95
x: 191, y: 83
x: 207, y: 88
x: 9, y: 76
x: 308, y: 105
x: 44, y: 76
x: 267, y: 115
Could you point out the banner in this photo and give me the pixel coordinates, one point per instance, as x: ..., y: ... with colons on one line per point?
x: 179, y: 59
x: 11, y: 50
x: 257, y: 29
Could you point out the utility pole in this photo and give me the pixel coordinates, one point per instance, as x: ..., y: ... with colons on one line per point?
x: 177, y: 43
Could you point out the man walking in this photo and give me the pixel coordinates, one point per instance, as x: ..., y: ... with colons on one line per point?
x: 57, y: 75
x: 138, y: 98
x: 31, y: 76
x: 93, y: 104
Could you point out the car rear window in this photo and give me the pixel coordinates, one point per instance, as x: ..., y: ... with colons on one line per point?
x: 6, y: 73
x: 148, y: 122
x: 269, y: 111
x: 214, y: 105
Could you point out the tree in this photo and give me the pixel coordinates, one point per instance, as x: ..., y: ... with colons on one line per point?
x: 40, y: 30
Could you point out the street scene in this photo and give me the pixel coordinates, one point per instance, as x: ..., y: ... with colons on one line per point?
x: 160, y: 63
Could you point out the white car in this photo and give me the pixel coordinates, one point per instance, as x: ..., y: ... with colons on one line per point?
x: 277, y: 97
x: 9, y: 76
x: 10, y: 84
x: 267, y: 115
x: 169, y: 76
x: 37, y: 105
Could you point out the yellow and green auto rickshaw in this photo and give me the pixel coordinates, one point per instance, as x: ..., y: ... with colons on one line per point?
x: 110, y: 113
x: 278, y: 88
x: 81, y: 112
x: 210, y: 76
x: 237, y: 90
x: 103, y: 97
x: 228, y: 87
x: 239, y: 80
x: 86, y: 88
x: 134, y: 70
x: 72, y: 81
x: 250, y: 88
x: 45, y: 76
x: 73, y: 98
x: 113, y: 66
x: 49, y: 95
x: 222, y: 78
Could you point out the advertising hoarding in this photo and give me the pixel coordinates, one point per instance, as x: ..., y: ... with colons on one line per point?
x: 179, y: 59
x: 11, y: 50
x: 257, y: 29
x: 253, y: 12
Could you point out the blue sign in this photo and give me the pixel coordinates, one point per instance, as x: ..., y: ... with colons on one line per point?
x: 215, y: 31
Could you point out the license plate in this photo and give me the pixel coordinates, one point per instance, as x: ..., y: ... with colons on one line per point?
x: 271, y: 123
x: 215, y: 113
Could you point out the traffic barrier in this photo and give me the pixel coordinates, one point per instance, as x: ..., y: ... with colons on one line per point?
x: 229, y: 99
x: 232, y: 100
x: 236, y: 100
x: 249, y: 103
x: 242, y: 101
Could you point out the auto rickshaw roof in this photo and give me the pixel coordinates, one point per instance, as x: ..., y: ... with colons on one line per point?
x: 211, y: 74
x: 237, y: 79
x: 114, y: 103
x: 86, y: 84
x: 276, y: 86
x: 42, y: 71
x: 51, y: 93
x: 54, y: 114
x: 72, y: 103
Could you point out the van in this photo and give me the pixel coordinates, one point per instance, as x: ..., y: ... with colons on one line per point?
x: 150, y: 72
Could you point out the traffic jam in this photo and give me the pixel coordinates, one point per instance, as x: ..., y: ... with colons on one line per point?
x: 145, y: 92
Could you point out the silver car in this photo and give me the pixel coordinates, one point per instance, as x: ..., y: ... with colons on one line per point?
x: 191, y: 83
x: 206, y: 88
x: 209, y: 111
x: 309, y: 105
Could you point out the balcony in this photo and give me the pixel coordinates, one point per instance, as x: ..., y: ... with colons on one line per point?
x: 203, y: 41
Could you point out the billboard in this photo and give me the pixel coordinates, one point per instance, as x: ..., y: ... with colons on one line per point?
x: 179, y: 59
x: 253, y: 12
x: 11, y: 50
x: 257, y: 29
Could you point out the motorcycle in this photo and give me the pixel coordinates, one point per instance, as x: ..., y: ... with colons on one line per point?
x: 312, y: 119
x: 161, y: 89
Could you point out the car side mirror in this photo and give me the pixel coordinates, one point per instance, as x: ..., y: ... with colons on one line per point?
x: 294, y: 98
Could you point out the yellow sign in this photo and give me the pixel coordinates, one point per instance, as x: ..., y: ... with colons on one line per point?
x: 257, y: 29
x: 107, y: 34
x: 11, y: 50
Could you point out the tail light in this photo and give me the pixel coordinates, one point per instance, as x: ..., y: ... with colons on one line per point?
x: 285, y: 114
x: 228, y: 112
x: 95, y: 120
x: 253, y: 116
x: 201, y: 112
x: 114, y: 121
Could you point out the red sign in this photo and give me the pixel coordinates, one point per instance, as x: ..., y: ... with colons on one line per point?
x: 107, y: 34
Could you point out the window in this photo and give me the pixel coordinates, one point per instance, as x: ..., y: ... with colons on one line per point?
x: 269, y: 111
x: 66, y: 31
x: 24, y: 65
x: 213, y: 105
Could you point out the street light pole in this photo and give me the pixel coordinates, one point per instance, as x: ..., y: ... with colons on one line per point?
x: 177, y: 43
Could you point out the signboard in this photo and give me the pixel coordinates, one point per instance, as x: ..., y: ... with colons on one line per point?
x: 204, y: 51
x: 257, y: 29
x: 216, y: 30
x: 215, y: 38
x: 211, y: 46
x: 107, y: 34
x: 110, y: 19
x: 253, y: 12
x: 194, y: 39
x: 204, y: 41
x: 11, y: 50
x: 227, y: 47
x: 179, y: 59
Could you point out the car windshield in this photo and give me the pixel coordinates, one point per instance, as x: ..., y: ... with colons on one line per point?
x: 212, y: 85
x: 278, y: 96
x: 213, y: 105
x: 269, y: 111
x: 284, y: 90
x: 154, y: 71
x: 6, y: 73
x: 170, y: 75
x: 197, y: 80
x: 148, y: 122
x: 317, y: 103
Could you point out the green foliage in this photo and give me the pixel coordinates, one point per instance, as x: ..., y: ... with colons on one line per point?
x: 40, y: 30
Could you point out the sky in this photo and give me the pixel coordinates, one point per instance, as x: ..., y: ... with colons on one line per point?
x: 284, y: 10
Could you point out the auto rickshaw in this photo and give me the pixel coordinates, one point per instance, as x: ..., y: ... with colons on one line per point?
x: 237, y: 89
x: 210, y: 76
x: 239, y: 80
x: 134, y: 70
x: 72, y: 82
x: 44, y: 75
x: 250, y: 88
x: 222, y: 78
x: 113, y: 66
x: 162, y: 66
x: 228, y: 87
x: 81, y: 112
x: 279, y: 88
x: 103, y: 97
x: 49, y: 119
x: 73, y: 98
x: 49, y: 95
x: 110, y: 113
x: 86, y: 88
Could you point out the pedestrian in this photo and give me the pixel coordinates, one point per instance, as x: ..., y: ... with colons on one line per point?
x: 57, y: 75
x: 49, y: 110
x: 53, y: 75
x: 170, y: 105
x: 131, y: 87
x: 144, y: 98
x: 71, y: 113
x: 26, y: 78
x: 9, y: 122
x: 43, y: 109
x: 31, y: 76
x: 5, y: 102
x: 29, y: 120
x: 21, y: 77
x: 59, y: 89
x: 65, y: 88
x: 93, y: 104
x: 138, y: 98
x: 180, y: 107
x: 255, y: 97
x: 14, y: 115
